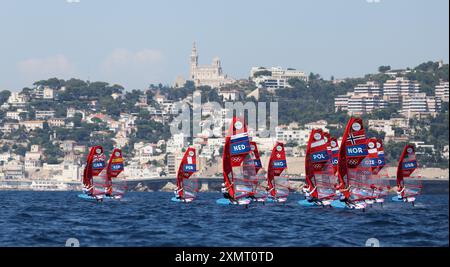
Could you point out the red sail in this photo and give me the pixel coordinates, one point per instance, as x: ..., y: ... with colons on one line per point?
x: 95, y: 163
x: 188, y: 166
x: 318, y: 165
x: 334, y: 153
x: 381, y: 158
x: 115, y: 164
x: 407, y: 165
x: 114, y: 168
x: 238, y: 161
x: 277, y: 164
x: 375, y: 161
x: 351, y: 153
x: 372, y: 156
x: 258, y: 164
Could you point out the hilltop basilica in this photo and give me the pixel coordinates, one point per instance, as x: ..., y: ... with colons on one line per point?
x: 210, y: 75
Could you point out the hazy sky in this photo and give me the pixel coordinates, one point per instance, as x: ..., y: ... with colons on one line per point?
x: 135, y: 43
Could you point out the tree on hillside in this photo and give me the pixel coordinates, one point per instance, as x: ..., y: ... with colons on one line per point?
x: 4, y: 95
x: 384, y: 69
x: 262, y: 73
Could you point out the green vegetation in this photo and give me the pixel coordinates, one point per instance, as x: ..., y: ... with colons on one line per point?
x: 384, y: 68
x: 262, y: 73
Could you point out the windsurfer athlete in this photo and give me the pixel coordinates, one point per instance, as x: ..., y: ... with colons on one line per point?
x: 177, y: 192
x: 108, y: 191
x: 88, y: 190
x: 309, y: 194
x: 226, y: 194
x: 400, y: 191
x: 344, y: 194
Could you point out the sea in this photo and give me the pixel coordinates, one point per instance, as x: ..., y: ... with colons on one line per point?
x: 150, y: 219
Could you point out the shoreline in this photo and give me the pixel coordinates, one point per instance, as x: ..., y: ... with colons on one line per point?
x: 430, y: 186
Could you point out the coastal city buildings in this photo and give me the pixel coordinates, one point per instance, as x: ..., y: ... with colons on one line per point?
x: 359, y: 104
x: 44, y: 143
x: 370, y: 96
x: 365, y: 98
x: 394, y: 90
x: 420, y: 104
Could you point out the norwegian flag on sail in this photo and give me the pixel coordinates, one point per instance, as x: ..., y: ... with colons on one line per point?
x: 356, y: 138
x: 353, y: 149
x: 355, y: 141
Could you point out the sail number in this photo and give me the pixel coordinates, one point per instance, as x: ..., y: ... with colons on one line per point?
x: 116, y: 167
x: 410, y: 165
x: 189, y: 168
x: 240, y: 148
x: 98, y: 165
x: 359, y: 150
x: 320, y: 156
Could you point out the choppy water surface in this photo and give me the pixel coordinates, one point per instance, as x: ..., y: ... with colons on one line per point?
x: 151, y: 219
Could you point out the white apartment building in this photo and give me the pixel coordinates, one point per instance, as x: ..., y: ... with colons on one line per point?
x: 320, y: 124
x: 144, y: 151
x: 9, y: 127
x: 17, y: 100
x: 230, y: 94
x: 33, y: 158
x: 56, y: 122
x: 378, y: 125
x: 420, y: 104
x: 32, y: 125
x: 70, y: 172
x: 211, y: 147
x: 422, y: 147
x: 394, y: 90
x: 441, y: 91
x: 7, y: 156
x: 265, y: 144
x: 287, y: 134
x: 167, y: 106
x: 341, y: 101
x: 385, y: 126
x: 43, y: 92
x: 44, y: 114
x: 278, y: 78
x: 172, y: 164
x: 14, y: 169
x: 176, y: 143
x: 368, y: 88
x: 13, y: 115
x: 359, y: 104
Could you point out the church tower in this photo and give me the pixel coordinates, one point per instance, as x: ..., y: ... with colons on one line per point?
x: 194, y: 61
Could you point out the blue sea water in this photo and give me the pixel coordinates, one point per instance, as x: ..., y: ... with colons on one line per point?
x: 151, y: 219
